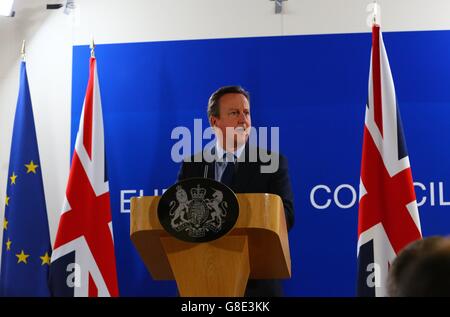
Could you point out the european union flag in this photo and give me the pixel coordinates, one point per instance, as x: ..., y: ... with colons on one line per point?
x: 26, y: 248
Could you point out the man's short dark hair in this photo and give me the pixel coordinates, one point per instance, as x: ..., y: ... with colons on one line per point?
x: 407, y: 258
x: 213, y: 103
x: 429, y: 276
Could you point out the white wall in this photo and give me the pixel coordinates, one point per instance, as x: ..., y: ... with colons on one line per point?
x: 48, y: 44
x: 51, y: 34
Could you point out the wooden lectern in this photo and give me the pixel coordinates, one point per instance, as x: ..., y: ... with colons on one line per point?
x: 257, y: 247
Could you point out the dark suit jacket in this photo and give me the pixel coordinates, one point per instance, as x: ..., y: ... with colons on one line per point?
x: 248, y: 178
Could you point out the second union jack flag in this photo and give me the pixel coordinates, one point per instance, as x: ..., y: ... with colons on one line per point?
x: 388, y: 217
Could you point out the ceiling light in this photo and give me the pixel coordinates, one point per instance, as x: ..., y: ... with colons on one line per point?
x: 6, y: 8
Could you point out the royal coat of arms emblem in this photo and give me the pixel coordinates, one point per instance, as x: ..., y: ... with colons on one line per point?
x: 198, y: 210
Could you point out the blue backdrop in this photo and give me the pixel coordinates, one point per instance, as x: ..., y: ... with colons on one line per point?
x: 315, y: 89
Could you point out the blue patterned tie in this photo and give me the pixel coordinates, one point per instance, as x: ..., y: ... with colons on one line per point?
x: 227, y: 176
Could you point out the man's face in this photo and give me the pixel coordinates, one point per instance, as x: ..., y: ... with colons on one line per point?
x: 234, y: 121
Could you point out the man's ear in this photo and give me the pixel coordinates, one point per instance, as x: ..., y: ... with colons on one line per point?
x: 212, y: 121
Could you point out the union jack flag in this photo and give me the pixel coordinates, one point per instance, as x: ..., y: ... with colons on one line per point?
x: 388, y: 215
x: 83, y: 260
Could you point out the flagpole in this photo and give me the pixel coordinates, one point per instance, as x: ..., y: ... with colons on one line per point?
x: 22, y: 51
x: 373, y: 18
x: 375, y: 12
x: 92, y: 47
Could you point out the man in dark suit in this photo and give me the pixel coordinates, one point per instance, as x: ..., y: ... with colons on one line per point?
x: 239, y: 165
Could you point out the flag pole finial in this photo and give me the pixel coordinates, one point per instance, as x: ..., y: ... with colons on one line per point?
x: 374, y: 19
x: 92, y: 47
x: 374, y: 16
x: 22, y: 51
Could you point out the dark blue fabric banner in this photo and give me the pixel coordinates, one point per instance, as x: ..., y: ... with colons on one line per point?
x: 26, y: 250
x: 314, y: 88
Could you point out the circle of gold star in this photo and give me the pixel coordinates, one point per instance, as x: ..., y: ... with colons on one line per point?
x: 31, y: 167
x: 8, y: 245
x: 13, y: 178
x: 45, y: 259
x: 22, y: 257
